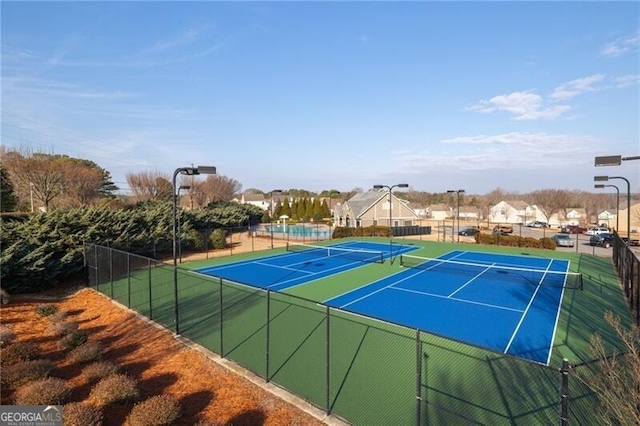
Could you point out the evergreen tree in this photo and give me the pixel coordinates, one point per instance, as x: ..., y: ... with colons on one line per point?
x: 7, y: 195
x: 286, y: 209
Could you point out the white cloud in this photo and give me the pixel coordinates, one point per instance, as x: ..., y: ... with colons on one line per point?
x: 575, y: 87
x: 621, y: 45
x: 522, y: 105
x: 627, y: 80
x: 527, y: 152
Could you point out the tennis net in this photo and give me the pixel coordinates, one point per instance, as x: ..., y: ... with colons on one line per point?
x: 514, y: 274
x: 351, y: 254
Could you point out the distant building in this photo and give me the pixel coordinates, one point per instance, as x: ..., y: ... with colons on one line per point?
x: 373, y: 208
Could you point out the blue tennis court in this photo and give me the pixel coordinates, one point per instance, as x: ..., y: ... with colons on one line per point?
x: 303, y: 264
x: 505, y: 303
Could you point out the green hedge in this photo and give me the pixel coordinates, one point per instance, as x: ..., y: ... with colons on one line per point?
x: 515, y: 241
x: 367, y: 231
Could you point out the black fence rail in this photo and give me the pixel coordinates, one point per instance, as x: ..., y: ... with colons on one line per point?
x: 360, y: 369
x: 627, y: 266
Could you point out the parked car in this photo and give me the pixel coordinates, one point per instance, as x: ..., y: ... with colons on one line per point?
x: 505, y: 229
x: 573, y: 229
x: 537, y: 224
x: 596, y: 230
x: 604, y: 239
x: 469, y: 231
x: 634, y: 241
x: 563, y: 240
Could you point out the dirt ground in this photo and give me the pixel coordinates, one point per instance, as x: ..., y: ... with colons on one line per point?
x: 207, y: 391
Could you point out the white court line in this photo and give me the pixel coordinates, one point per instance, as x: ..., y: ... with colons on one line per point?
x: 513, y: 336
x: 488, y: 305
x: 392, y: 284
x: 472, y: 279
x: 555, y: 326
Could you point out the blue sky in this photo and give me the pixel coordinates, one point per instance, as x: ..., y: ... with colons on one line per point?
x: 319, y: 95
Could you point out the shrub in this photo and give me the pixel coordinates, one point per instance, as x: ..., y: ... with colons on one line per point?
x: 62, y: 328
x: 99, y: 370
x: 90, y: 351
x: 114, y: 388
x: 218, y: 239
x: 18, y: 351
x: 6, y: 335
x: 80, y: 414
x: 548, y: 243
x: 155, y: 411
x: 23, y: 372
x: 46, y: 309
x: 49, y: 391
x: 74, y: 339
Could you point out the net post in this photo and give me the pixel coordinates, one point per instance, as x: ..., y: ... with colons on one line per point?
x: 581, y: 282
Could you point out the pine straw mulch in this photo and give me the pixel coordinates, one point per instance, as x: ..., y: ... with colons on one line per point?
x: 207, y: 392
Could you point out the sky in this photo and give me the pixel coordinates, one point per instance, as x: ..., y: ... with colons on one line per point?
x: 319, y: 95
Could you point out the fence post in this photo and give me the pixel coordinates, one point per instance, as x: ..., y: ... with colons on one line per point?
x: 328, y: 363
x: 564, y: 392
x: 418, y: 377
x: 267, y: 333
x: 221, y: 323
x: 95, y: 257
x: 111, y: 271
x: 128, y: 280
x: 150, y: 302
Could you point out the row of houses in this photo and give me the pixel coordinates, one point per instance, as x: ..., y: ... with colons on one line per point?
x: 376, y: 207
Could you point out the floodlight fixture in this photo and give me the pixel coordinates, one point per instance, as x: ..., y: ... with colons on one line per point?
x: 613, y: 160
x: 390, y: 188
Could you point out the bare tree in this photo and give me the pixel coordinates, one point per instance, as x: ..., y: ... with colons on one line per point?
x: 551, y: 201
x: 82, y: 183
x: 221, y: 188
x: 616, y: 378
x: 36, y: 175
x: 150, y: 186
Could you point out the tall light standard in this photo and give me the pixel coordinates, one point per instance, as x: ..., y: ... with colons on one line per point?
x: 390, y: 188
x: 457, y: 192
x: 601, y: 186
x: 331, y: 193
x: 613, y: 160
x: 186, y: 188
x: 606, y: 179
x: 189, y: 171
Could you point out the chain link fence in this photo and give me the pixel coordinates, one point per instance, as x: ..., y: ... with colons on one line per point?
x: 365, y: 371
x: 627, y: 266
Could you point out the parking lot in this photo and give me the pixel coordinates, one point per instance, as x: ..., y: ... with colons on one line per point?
x: 450, y: 233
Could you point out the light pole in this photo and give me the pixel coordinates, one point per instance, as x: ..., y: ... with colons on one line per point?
x: 186, y: 188
x: 457, y: 192
x: 601, y: 186
x: 606, y: 179
x: 390, y: 188
x: 613, y: 160
x: 189, y: 171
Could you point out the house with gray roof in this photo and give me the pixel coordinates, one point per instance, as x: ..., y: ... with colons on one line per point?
x: 373, y: 208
